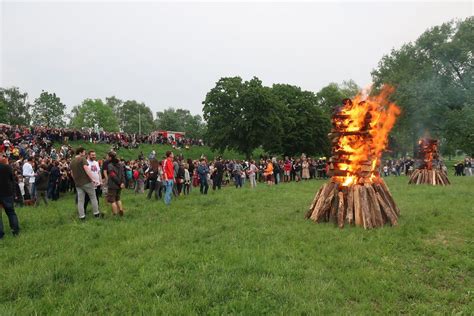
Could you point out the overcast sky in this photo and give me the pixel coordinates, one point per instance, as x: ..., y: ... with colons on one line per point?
x: 171, y: 54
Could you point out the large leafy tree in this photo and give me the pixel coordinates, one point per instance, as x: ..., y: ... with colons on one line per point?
x: 135, y: 116
x: 459, y: 130
x: 181, y: 120
x: 48, y: 110
x: 115, y: 104
x: 304, y: 122
x: 243, y: 116
x: 14, y: 107
x: 432, y: 76
x: 94, y: 112
x: 331, y: 95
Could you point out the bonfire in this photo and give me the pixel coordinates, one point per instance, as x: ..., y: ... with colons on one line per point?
x: 356, y: 194
x: 429, y: 165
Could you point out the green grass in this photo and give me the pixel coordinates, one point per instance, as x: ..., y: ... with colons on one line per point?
x: 245, y: 252
x: 193, y: 152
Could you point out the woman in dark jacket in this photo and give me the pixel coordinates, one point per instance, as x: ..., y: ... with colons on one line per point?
x: 115, y: 183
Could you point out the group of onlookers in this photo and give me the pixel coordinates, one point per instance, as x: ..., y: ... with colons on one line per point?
x: 465, y: 167
x: 18, y: 137
x: 35, y: 172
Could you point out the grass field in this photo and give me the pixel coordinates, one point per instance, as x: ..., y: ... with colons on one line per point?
x: 243, y: 251
x: 193, y: 152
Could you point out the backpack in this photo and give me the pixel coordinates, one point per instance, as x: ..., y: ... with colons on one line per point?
x: 136, y: 174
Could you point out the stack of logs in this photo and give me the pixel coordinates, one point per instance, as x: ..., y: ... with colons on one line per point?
x: 429, y: 171
x: 369, y: 205
x: 365, y: 201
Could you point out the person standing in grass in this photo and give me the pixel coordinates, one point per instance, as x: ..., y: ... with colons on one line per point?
x: 268, y: 173
x: 41, y: 183
x: 218, y: 174
x: 252, y: 172
x: 154, y: 177
x: 84, y: 181
x: 237, y: 172
x: 115, y: 184
x: 95, y: 169
x: 187, y: 179
x: 203, y: 171
x: 168, y: 176
x: 7, y: 192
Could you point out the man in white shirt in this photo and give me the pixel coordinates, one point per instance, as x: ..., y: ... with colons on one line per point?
x: 96, y: 176
x: 29, y: 176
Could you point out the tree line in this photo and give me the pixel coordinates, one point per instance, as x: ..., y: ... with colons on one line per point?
x: 111, y: 114
x: 432, y: 76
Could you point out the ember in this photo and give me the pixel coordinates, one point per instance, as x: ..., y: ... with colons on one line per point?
x: 357, y: 194
x: 429, y: 164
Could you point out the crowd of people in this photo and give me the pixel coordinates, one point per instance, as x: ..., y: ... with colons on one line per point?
x: 18, y: 138
x: 36, y: 173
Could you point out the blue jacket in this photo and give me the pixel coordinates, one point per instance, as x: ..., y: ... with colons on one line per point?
x: 203, y: 171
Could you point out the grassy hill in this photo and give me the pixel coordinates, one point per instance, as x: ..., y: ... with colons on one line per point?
x: 244, y: 252
x: 194, y: 152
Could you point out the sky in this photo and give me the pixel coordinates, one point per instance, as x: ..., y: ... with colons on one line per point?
x: 170, y: 54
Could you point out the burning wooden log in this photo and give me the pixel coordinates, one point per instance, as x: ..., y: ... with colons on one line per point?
x: 356, y: 194
x: 367, y: 205
x: 429, y: 166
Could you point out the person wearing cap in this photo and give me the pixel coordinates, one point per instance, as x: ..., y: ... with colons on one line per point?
x: 7, y: 192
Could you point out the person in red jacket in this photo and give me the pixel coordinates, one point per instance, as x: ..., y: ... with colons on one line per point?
x: 168, y: 176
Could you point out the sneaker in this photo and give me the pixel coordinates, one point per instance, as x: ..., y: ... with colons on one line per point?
x: 121, y: 212
x: 100, y: 215
x: 82, y: 219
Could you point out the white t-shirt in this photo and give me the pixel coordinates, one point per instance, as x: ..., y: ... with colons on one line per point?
x: 29, y: 172
x: 95, y: 169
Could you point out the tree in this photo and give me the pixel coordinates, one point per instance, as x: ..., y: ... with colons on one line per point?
x: 115, y: 104
x: 331, y: 95
x: 14, y: 107
x: 181, y: 120
x: 460, y: 131
x: 432, y: 77
x: 92, y: 112
x: 48, y: 110
x: 136, y: 116
x: 305, y: 124
x: 243, y: 116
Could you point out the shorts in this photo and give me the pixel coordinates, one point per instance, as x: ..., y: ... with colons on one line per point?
x: 113, y: 195
x: 269, y: 177
x: 287, y: 173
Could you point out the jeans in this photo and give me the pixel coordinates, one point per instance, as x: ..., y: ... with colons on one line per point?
x: 169, y: 191
x: 139, y: 186
x: 7, y: 203
x: 90, y: 191
x: 155, y: 186
x: 277, y: 178
x: 238, y: 180
x: 53, y: 190
x: 204, y: 185
x: 98, y: 194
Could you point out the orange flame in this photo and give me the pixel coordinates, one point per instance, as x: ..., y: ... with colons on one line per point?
x: 428, y: 149
x: 364, y: 124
